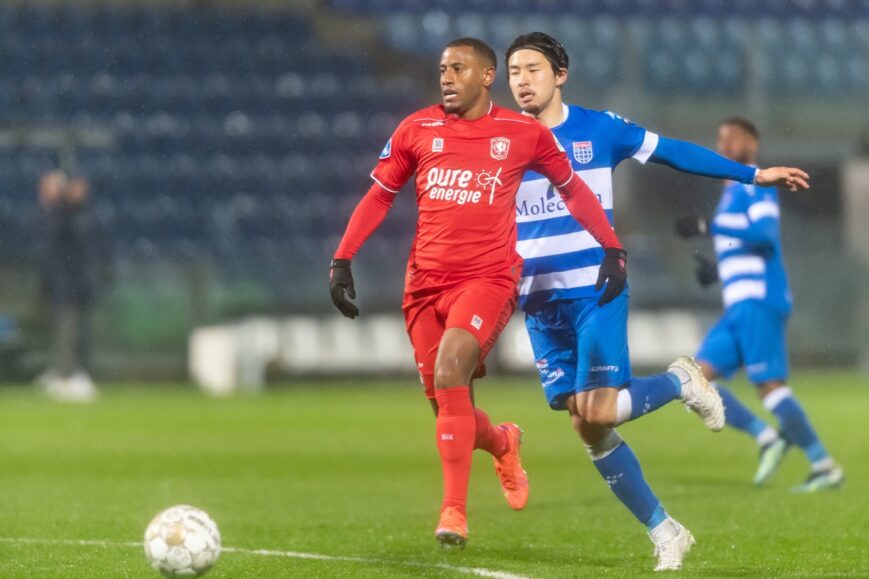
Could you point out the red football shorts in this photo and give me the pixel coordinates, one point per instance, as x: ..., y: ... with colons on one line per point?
x: 481, y: 306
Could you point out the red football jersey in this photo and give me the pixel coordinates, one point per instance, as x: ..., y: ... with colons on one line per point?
x: 467, y: 175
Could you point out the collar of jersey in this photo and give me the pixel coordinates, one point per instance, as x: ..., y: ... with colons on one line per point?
x: 565, y: 112
x: 455, y: 118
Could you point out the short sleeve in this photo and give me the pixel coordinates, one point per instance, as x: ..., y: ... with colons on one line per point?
x: 629, y: 140
x: 550, y: 160
x: 397, y: 161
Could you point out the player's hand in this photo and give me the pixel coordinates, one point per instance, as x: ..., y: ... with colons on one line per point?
x: 613, y: 272
x: 692, y: 226
x: 789, y: 177
x: 706, y: 271
x: 340, y: 281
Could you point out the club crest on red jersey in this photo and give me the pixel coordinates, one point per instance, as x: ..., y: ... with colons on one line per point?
x: 500, y: 148
x: 582, y: 152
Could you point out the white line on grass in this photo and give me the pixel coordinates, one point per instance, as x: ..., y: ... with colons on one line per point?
x: 478, y: 571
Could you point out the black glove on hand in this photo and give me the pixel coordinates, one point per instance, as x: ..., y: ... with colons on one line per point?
x: 706, y: 270
x: 613, y: 271
x: 341, y: 280
x: 692, y: 226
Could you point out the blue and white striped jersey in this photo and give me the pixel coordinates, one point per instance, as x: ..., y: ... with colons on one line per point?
x: 748, y: 245
x: 561, y: 258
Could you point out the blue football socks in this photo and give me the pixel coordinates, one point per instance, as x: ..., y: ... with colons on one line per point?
x: 795, y: 426
x: 737, y: 414
x: 650, y: 393
x: 621, y: 470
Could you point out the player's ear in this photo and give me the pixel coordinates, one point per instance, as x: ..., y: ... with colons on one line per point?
x: 488, y: 76
x: 560, y: 77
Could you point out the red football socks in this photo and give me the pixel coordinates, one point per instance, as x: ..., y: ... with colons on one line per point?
x: 456, y: 427
x: 489, y: 437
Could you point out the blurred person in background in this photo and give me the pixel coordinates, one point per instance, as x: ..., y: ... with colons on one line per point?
x: 75, y: 260
x: 752, y: 333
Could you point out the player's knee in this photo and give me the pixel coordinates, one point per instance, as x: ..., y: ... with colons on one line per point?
x: 576, y: 422
x: 448, y: 377
x: 592, y: 434
x: 458, y: 357
x: 596, y: 415
x: 766, y: 388
x: 452, y: 371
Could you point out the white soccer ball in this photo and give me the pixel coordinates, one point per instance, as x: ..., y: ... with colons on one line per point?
x: 182, y: 541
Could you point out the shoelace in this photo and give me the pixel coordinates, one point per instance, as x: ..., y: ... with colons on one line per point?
x: 698, y: 404
x: 665, y: 555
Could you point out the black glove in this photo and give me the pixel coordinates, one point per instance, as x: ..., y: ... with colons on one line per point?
x: 612, y: 271
x: 706, y: 270
x: 692, y: 226
x: 341, y: 280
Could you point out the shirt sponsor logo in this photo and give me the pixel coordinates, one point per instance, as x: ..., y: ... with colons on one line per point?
x: 460, y: 185
x: 486, y: 179
x: 433, y: 124
x: 542, y: 364
x: 477, y: 321
x: 500, y: 148
x: 543, y: 205
x: 583, y: 152
x: 437, y: 145
x: 551, y: 377
x: 387, y: 150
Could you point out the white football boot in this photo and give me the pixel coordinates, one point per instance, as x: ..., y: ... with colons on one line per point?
x: 671, y: 549
x: 830, y: 478
x: 698, y: 395
x: 79, y: 388
x: 771, y: 455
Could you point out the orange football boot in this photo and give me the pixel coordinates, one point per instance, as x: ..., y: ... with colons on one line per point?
x: 452, y: 530
x: 514, y: 479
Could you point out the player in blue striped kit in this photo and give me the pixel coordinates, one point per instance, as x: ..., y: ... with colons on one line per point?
x: 757, y: 304
x: 580, y: 345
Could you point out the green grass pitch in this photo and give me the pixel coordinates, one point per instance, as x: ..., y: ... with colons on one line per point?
x: 351, y: 470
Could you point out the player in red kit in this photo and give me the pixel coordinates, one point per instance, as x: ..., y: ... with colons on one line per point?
x: 468, y: 156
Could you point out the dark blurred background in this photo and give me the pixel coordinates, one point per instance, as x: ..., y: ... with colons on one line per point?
x: 226, y: 143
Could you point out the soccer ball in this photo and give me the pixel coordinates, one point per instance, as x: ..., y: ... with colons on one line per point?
x: 182, y: 541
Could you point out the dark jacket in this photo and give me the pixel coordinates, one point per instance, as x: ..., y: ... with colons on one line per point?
x: 75, y: 255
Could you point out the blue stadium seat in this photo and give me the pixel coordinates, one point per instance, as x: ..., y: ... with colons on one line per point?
x: 206, y: 106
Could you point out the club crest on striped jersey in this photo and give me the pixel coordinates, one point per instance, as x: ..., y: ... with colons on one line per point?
x: 500, y: 148
x: 583, y: 152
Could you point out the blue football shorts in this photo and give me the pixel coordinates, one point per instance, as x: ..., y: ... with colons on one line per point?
x: 750, y: 334
x: 579, y: 346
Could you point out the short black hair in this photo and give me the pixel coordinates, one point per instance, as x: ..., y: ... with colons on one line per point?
x: 546, y: 45
x: 479, y: 46
x: 743, y: 124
